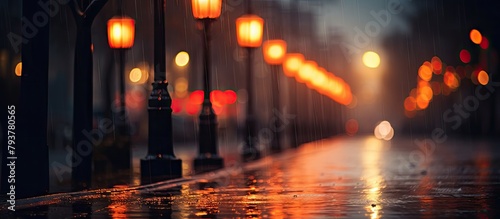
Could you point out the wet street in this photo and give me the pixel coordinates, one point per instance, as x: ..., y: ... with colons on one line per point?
x: 342, y: 177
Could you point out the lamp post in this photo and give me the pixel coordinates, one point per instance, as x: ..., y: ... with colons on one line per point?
x: 206, y: 12
x: 121, y: 31
x: 160, y: 163
x: 274, y: 54
x: 249, y: 29
x: 291, y: 66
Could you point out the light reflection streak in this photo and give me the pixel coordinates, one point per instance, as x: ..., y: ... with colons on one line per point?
x: 371, y: 175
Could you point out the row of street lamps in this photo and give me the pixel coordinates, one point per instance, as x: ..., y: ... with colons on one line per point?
x: 161, y: 163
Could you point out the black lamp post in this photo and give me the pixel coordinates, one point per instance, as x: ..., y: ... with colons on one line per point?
x: 160, y: 163
x: 207, y: 11
x: 121, y: 32
x: 249, y: 29
x: 274, y: 52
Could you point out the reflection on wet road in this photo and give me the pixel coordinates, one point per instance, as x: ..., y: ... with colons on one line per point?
x: 336, y: 178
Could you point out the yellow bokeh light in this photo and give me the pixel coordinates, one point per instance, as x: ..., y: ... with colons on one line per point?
x: 292, y: 64
x: 475, y: 36
x: 276, y: 51
x: 371, y: 59
x: 306, y: 72
x: 181, y: 85
x: 19, y: 69
x: 483, y: 78
x: 182, y: 59
x: 135, y: 75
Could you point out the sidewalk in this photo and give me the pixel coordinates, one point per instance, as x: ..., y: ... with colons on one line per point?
x: 336, y: 178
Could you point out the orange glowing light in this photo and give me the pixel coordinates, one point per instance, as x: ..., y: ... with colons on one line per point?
x: 351, y: 127
x: 426, y: 93
x: 425, y: 72
x: 19, y: 69
x: 292, y: 63
x: 306, y: 72
x: 249, y: 30
x: 465, y: 56
x: 451, y: 80
x: 410, y: 104
x: 206, y: 8
x: 274, y: 51
x: 475, y: 36
x: 422, y: 103
x: 483, y: 78
x: 437, y: 65
x: 121, y: 32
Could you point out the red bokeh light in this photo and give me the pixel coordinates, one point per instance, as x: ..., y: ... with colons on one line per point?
x: 465, y: 56
x: 196, y: 97
x: 231, y: 96
x: 176, y: 105
x: 484, y: 43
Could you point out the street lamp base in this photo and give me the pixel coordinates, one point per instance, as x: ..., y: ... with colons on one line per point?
x: 204, y: 164
x: 156, y: 169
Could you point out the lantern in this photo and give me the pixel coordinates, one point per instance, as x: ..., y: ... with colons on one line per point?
x: 203, y: 9
x: 249, y: 29
x: 121, y: 31
x: 274, y: 51
x: 292, y: 63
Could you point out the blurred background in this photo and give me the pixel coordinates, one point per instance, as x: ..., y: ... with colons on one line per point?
x: 447, y: 47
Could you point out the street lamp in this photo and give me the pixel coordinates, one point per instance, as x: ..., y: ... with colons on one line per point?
x: 274, y: 52
x: 121, y: 31
x: 291, y: 66
x: 249, y: 29
x: 160, y: 163
x: 207, y: 11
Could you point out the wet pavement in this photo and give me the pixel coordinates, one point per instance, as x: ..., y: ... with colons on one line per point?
x: 342, y: 177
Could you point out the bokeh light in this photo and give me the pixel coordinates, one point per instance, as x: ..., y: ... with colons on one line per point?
x: 425, y: 72
x: 485, y: 43
x: 437, y: 65
x: 181, y: 86
x: 135, y: 75
x: 410, y: 104
x: 475, y: 36
x: 483, y: 78
x: 292, y: 64
x: 306, y: 72
x: 384, y: 131
x: 465, y: 56
x: 182, y: 59
x: 371, y: 59
x: 19, y: 69
x: 196, y: 97
x: 231, y: 96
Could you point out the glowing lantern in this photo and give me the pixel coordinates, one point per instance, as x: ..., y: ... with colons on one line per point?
x: 306, y: 72
x: 203, y: 9
x: 292, y: 63
x: 274, y: 51
x: 121, y: 32
x: 249, y: 30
